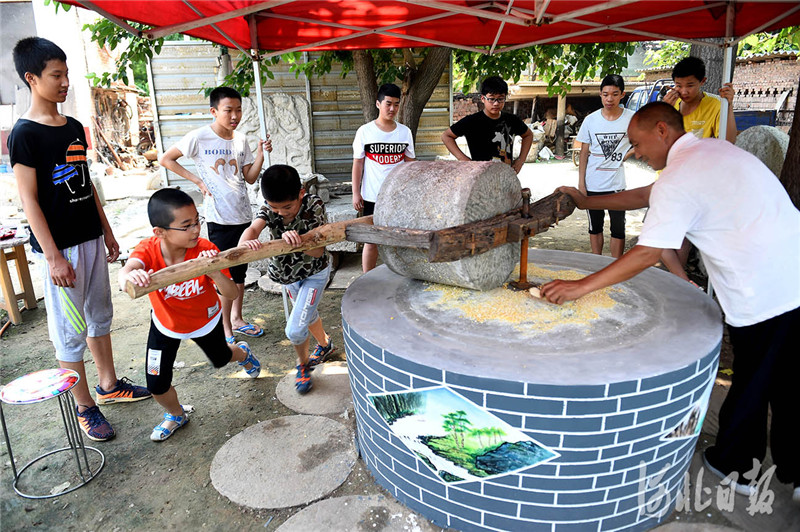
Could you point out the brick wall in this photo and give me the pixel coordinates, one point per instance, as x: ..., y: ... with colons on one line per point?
x: 759, y: 85
x: 601, y: 432
x: 464, y: 105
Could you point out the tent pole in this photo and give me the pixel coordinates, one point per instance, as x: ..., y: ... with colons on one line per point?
x: 728, y: 58
x: 262, y: 116
x: 256, y: 59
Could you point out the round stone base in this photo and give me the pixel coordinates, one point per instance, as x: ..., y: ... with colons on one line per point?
x: 330, y: 394
x: 284, y: 462
x: 357, y: 512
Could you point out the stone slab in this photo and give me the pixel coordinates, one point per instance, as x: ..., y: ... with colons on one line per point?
x: 330, y: 394
x: 268, y: 285
x: 358, y: 513
x: 340, y: 209
x: 768, y: 143
x: 284, y: 462
x: 348, y: 271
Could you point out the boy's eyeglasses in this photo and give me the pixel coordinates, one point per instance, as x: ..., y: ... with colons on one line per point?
x: 198, y: 223
x: 495, y: 100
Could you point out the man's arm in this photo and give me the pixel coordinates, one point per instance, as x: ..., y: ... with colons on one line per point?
x: 630, y: 264
x: 169, y: 160
x: 357, y: 176
x: 627, y: 200
x: 449, y: 141
x: 583, y: 163
x: 727, y: 92
x: 252, y: 232
x: 250, y: 172
x: 527, y: 141
x: 61, y: 272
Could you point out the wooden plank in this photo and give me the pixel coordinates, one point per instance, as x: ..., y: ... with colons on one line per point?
x: 390, y: 236
x: 479, y: 237
x: 316, y: 238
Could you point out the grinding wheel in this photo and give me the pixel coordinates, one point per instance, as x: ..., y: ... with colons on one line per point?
x: 433, y: 195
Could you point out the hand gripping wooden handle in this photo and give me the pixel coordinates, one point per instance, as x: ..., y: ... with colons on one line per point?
x: 316, y: 238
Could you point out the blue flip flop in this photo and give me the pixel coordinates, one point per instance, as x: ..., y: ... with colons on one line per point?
x: 249, y: 330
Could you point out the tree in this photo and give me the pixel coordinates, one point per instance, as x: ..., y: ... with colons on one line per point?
x: 790, y: 174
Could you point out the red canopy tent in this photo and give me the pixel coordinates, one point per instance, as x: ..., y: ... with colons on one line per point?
x: 281, y: 26
x: 288, y: 25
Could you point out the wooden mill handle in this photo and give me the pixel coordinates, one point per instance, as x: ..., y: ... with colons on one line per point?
x: 316, y: 238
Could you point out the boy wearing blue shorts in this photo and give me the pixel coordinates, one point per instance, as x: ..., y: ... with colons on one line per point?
x: 288, y: 213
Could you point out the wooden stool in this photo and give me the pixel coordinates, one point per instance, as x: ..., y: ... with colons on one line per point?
x: 14, y: 249
x: 41, y: 386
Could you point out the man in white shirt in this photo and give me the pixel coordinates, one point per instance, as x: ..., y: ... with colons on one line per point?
x: 729, y: 205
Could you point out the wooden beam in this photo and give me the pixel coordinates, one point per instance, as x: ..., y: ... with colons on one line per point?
x: 444, y: 245
x: 389, y: 236
x: 316, y: 238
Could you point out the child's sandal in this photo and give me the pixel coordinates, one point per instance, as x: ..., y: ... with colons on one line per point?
x: 161, y: 433
x: 255, y: 365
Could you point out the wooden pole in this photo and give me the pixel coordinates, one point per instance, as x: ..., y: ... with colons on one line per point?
x: 561, y: 115
x: 316, y: 238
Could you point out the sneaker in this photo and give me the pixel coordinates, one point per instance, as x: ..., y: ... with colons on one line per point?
x: 303, y: 380
x: 741, y: 489
x: 94, y: 424
x: 321, y: 354
x: 124, y: 392
x: 255, y: 369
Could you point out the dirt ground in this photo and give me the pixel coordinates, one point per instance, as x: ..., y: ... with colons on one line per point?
x: 152, y: 486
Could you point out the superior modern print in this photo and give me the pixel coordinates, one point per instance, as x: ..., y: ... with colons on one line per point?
x: 457, y: 440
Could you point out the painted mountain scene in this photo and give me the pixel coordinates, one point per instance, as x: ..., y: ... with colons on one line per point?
x: 456, y: 439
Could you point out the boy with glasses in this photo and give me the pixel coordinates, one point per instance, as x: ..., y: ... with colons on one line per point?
x: 490, y: 133
x: 190, y: 309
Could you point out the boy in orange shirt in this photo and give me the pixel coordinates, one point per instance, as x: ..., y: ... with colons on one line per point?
x: 191, y: 309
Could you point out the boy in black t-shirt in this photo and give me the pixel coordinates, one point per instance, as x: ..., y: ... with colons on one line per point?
x: 70, y: 230
x: 490, y: 133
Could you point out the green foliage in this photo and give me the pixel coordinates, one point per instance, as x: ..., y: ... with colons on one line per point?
x: 57, y: 5
x: 558, y: 65
x: 456, y: 423
x: 136, y: 54
x: 785, y: 40
x: 669, y: 53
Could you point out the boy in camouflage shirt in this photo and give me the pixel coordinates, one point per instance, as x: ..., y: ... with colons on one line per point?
x: 288, y: 213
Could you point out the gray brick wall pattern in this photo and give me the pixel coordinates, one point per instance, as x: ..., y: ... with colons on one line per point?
x: 602, y: 433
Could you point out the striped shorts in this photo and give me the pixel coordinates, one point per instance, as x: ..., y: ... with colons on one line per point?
x: 74, y: 313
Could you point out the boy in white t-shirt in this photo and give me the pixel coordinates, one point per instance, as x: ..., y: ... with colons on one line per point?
x: 224, y: 163
x: 604, y: 147
x: 378, y: 148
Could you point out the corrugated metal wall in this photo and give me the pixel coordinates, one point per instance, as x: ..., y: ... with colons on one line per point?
x: 183, y: 68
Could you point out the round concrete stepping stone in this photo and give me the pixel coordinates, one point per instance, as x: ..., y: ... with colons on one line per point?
x: 357, y: 512
x: 693, y: 527
x: 284, y: 462
x: 330, y: 394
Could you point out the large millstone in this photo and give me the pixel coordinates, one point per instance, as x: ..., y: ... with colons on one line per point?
x: 441, y: 194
